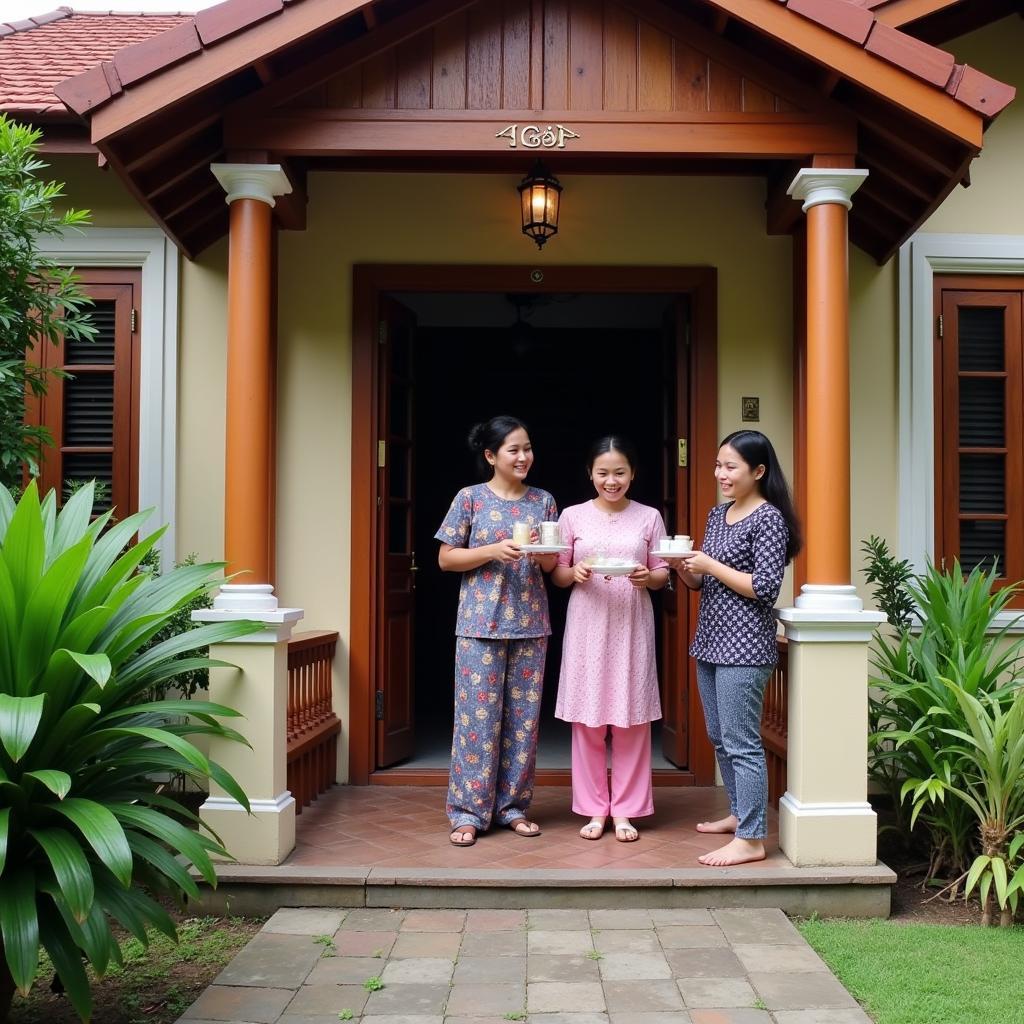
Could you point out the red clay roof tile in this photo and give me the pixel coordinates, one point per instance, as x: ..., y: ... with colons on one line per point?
x: 982, y: 93
x: 920, y: 59
x: 841, y: 16
x: 985, y: 95
x: 225, y: 19
x: 140, y: 60
x: 46, y: 49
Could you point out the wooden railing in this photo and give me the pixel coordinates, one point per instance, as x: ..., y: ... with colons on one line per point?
x: 313, y: 726
x: 775, y: 724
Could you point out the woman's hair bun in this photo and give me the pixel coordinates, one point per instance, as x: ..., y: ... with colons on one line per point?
x: 489, y: 437
x: 477, y: 434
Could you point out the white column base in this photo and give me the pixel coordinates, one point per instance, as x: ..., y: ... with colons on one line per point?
x: 256, y: 687
x: 266, y: 836
x: 828, y: 597
x: 246, y: 597
x: 821, y: 834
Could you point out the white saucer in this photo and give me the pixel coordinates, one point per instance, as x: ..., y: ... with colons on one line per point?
x: 670, y: 554
x: 543, y: 549
x: 613, y: 570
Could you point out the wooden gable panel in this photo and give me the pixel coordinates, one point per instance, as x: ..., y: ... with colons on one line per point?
x: 559, y: 55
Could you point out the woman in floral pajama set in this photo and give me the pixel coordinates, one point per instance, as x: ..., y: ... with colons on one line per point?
x: 501, y: 636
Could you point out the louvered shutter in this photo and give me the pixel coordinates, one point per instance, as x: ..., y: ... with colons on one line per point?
x: 980, y: 426
x: 92, y: 411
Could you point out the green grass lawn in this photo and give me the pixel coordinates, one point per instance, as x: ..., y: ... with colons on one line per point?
x: 924, y: 973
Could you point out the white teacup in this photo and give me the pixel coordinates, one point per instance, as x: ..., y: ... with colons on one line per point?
x: 521, y: 533
x: 549, y: 534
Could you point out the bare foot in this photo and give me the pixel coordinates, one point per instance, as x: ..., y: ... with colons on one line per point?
x: 723, y: 825
x: 739, y: 851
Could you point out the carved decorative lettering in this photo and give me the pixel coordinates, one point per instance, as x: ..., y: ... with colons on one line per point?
x: 532, y: 136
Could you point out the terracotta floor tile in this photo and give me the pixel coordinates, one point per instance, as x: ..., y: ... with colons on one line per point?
x: 405, y: 827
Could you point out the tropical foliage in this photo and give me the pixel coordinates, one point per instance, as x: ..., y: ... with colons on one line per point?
x: 948, y: 721
x: 40, y: 301
x: 85, y: 836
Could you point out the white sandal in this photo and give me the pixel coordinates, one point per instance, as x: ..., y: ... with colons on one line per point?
x: 626, y: 832
x: 588, y: 829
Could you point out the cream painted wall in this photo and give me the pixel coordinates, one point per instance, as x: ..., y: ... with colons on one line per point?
x: 993, y: 203
x: 874, y: 408
x: 358, y: 218
x: 202, y: 376
x: 89, y: 187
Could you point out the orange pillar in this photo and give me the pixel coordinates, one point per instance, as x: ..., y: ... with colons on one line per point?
x: 249, y: 433
x: 826, y: 194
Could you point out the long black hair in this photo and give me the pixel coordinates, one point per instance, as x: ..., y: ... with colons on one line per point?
x: 612, y: 443
x: 489, y: 437
x: 756, y: 450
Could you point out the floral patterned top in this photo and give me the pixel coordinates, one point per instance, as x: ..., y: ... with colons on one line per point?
x: 498, y: 600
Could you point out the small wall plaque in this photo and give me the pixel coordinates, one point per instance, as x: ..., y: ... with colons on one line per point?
x: 750, y: 409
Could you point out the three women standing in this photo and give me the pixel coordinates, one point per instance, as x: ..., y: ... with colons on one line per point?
x: 500, y: 635
x: 608, y: 680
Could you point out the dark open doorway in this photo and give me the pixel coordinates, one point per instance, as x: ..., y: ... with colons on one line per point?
x: 614, y: 313
x: 574, y: 367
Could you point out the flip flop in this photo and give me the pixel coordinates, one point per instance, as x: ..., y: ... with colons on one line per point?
x: 593, y: 829
x: 516, y: 825
x: 626, y: 834
x: 463, y: 830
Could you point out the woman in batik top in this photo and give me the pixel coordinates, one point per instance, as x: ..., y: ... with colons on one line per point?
x: 501, y: 635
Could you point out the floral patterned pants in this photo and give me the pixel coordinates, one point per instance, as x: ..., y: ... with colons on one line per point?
x: 494, y: 748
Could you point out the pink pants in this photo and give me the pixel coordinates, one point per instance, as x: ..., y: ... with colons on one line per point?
x: 631, y: 793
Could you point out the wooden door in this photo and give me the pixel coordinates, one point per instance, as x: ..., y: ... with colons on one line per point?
x: 396, y: 559
x: 675, y: 605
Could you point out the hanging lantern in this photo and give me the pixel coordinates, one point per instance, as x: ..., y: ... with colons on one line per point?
x: 539, y: 194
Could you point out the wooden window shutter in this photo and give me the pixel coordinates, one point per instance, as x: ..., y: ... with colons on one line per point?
x: 979, y: 376
x: 92, y: 412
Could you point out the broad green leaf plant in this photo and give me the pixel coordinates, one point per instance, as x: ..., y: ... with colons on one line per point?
x: 86, y: 837
x: 956, y: 637
x: 982, y: 766
x: 944, y: 690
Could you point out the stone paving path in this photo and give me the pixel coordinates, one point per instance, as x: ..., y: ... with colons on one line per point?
x: 308, y: 966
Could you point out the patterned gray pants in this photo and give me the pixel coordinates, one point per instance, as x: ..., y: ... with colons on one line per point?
x: 732, y: 696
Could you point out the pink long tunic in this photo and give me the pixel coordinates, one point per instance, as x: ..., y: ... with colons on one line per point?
x: 609, y: 674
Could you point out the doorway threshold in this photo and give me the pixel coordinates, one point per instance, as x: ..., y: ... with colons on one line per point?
x: 545, y: 777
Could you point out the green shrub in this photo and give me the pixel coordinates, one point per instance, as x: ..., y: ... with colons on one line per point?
x: 957, y: 641
x: 188, y: 681
x: 85, y: 838
x: 40, y: 300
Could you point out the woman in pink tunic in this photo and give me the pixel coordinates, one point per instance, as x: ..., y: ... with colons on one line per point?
x: 609, y: 678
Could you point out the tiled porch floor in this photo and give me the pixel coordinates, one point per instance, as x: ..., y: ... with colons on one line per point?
x: 387, y: 846
x: 393, y: 826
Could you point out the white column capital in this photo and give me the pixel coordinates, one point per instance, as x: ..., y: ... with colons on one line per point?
x: 815, y: 185
x: 252, y: 181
